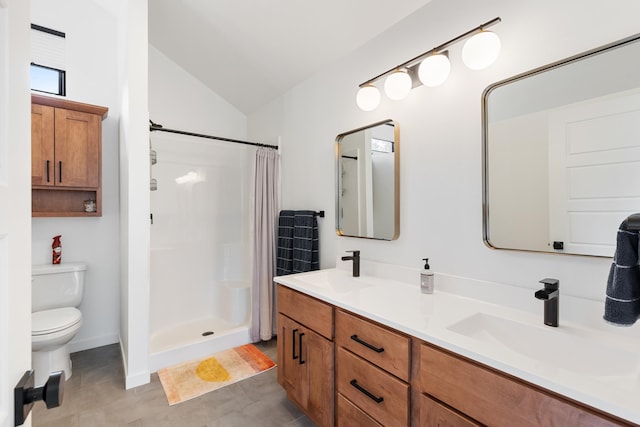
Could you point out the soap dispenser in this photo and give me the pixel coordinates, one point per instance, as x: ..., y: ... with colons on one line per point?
x: 426, y: 278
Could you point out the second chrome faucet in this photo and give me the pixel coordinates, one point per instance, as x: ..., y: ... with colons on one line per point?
x: 356, y: 262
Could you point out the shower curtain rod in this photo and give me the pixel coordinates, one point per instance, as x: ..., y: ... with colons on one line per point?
x: 155, y: 126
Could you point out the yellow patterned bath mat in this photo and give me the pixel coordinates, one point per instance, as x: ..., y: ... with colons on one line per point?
x: 197, y: 377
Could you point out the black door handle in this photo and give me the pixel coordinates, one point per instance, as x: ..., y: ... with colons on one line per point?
x: 60, y: 169
x: 293, y: 344
x: 366, y: 344
x: 366, y: 392
x: 302, y: 362
x: 48, y: 180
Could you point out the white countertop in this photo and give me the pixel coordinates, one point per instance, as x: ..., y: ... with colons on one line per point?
x: 599, y: 367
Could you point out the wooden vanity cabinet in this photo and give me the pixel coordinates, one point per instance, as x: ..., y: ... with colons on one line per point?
x: 386, y: 378
x: 66, y: 156
x: 372, y: 371
x: 466, y: 393
x: 305, y: 353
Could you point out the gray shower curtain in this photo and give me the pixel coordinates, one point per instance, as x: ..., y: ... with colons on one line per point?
x: 263, y: 325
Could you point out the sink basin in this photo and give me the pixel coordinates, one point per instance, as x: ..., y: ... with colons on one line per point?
x: 552, y: 347
x: 332, y: 280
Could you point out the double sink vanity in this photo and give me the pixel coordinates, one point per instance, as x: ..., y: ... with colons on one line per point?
x: 373, y: 350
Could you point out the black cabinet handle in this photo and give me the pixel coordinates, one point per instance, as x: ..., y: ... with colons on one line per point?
x: 302, y: 362
x: 366, y: 392
x: 366, y: 344
x: 48, y: 171
x: 293, y: 344
x: 60, y: 169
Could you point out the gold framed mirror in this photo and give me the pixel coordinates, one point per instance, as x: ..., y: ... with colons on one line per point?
x: 368, y: 181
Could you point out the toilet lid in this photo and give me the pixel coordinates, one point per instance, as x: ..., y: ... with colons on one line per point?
x: 49, y: 321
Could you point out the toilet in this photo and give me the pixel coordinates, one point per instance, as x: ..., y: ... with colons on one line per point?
x: 56, y: 292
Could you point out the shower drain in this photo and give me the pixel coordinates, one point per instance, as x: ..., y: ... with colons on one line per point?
x: 207, y: 333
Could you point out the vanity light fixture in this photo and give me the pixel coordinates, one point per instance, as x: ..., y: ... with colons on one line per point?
x: 432, y: 68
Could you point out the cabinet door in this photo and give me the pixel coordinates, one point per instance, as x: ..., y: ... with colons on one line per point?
x: 289, y: 376
x: 42, y: 143
x: 77, y: 149
x: 316, y: 353
x: 305, y: 369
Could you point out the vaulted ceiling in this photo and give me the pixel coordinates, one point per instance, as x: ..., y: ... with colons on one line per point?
x: 252, y: 51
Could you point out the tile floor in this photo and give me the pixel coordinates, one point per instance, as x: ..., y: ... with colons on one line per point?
x: 95, y: 396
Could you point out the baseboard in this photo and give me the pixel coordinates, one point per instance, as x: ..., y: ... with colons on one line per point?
x: 132, y: 381
x: 89, y: 343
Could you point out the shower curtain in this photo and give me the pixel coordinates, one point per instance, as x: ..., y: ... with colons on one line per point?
x: 263, y: 325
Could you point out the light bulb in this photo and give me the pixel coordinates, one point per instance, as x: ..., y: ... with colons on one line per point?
x: 397, y: 85
x: 368, y: 98
x: 434, y: 70
x: 481, y: 50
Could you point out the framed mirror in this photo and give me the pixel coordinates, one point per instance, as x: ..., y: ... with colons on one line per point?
x: 561, y: 153
x: 367, y: 182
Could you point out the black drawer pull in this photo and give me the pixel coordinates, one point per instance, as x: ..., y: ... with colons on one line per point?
x: 293, y: 344
x: 302, y: 362
x: 366, y: 344
x: 48, y: 180
x: 366, y: 392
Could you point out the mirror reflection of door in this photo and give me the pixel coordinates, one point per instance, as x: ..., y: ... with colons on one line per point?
x: 594, y: 171
x: 562, y: 153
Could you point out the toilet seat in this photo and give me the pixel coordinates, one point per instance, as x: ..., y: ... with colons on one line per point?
x: 51, y: 321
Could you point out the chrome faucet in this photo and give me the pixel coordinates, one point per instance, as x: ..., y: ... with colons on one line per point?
x: 550, y: 295
x: 356, y: 262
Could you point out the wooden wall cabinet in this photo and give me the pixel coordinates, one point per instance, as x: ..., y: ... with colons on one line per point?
x: 305, y: 354
x: 66, y: 156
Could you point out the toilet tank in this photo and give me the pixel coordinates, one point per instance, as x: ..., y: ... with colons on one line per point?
x: 56, y: 286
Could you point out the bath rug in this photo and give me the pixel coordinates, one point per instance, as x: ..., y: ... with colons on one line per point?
x: 197, y: 377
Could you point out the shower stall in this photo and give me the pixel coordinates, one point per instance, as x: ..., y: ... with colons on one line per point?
x: 200, y: 247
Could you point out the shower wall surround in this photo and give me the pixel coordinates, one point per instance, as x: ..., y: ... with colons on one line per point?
x: 441, y: 176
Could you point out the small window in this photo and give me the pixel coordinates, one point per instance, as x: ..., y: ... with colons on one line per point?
x: 381, y: 145
x: 47, y: 79
x: 48, y: 60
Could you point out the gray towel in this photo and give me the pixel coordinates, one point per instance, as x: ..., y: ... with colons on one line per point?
x: 622, y: 304
x: 305, y: 242
x: 284, y: 248
x: 297, y: 247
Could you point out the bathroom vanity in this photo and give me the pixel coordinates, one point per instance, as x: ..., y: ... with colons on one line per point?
x: 370, y: 351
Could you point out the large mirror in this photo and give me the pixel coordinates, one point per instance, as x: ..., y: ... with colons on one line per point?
x: 367, y: 182
x: 562, y: 153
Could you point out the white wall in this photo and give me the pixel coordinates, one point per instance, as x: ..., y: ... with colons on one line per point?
x: 440, y: 133
x: 132, y: 34
x: 177, y: 100
x: 92, y: 77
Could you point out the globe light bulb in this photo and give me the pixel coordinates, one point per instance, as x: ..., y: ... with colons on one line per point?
x: 397, y: 85
x: 368, y: 98
x: 481, y: 50
x: 434, y: 70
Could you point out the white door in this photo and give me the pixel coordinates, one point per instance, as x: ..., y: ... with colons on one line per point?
x: 15, y: 204
x: 594, y: 171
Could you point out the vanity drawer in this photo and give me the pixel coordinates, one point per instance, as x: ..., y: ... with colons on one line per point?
x: 496, y: 399
x: 435, y: 414
x: 381, y: 346
x: 306, y: 310
x: 349, y: 415
x: 382, y: 396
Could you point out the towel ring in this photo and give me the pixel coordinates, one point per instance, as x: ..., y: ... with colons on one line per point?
x: 633, y: 222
